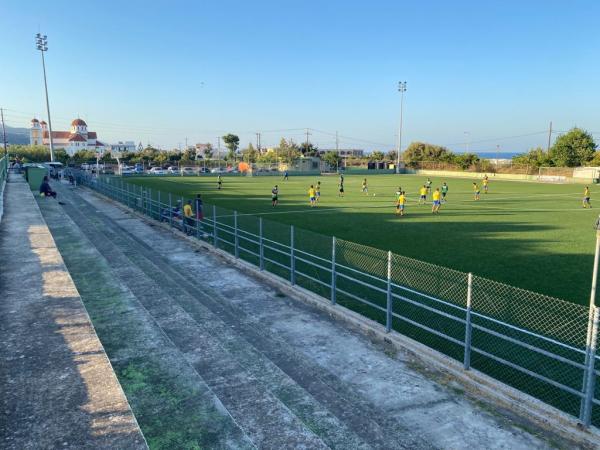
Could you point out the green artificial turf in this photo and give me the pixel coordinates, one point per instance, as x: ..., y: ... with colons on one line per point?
x: 531, y: 235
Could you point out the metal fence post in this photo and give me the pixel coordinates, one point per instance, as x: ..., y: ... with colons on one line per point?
x: 159, y: 206
x: 127, y: 194
x: 333, y: 276
x: 591, y: 372
x: 388, y: 315
x: 215, y: 238
x: 149, y: 202
x: 235, y: 234
x: 468, y: 327
x: 292, y: 257
x: 590, y: 324
x: 261, y: 250
x: 170, y: 210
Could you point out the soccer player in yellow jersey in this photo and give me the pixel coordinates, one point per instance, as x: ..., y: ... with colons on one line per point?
x: 586, y: 198
x: 436, y: 201
x: 476, y: 191
x: 423, y: 195
x: 400, y: 202
x: 312, y: 195
x: 485, y: 183
x: 365, y: 189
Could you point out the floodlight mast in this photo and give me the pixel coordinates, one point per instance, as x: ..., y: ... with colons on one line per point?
x: 42, y: 45
x: 402, y: 90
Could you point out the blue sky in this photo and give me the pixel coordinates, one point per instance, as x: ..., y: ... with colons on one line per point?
x: 162, y: 71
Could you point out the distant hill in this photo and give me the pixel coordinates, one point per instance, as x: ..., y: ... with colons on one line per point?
x: 17, y: 136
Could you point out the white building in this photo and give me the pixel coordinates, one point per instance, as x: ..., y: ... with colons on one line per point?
x: 78, y: 138
x: 126, y: 146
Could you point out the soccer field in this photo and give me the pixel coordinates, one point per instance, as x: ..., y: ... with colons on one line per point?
x: 532, y: 235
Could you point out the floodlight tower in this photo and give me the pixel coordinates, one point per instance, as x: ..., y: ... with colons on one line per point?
x: 41, y: 43
x: 402, y: 90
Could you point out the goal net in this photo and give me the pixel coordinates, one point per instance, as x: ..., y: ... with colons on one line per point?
x: 555, y: 174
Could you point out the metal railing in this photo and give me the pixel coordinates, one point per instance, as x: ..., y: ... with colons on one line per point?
x: 543, y: 346
x: 3, y: 171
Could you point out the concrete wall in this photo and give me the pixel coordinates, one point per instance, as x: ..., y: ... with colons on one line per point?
x: 585, y: 177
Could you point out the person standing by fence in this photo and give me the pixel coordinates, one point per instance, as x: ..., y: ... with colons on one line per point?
x: 199, y: 208
x: 274, y: 196
x: 188, y: 217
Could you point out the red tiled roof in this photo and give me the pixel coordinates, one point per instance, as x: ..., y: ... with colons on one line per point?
x: 92, y: 135
x: 78, y: 122
x: 99, y: 144
x: 78, y: 138
x: 58, y: 134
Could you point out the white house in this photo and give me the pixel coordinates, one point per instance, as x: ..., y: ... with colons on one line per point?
x: 126, y: 146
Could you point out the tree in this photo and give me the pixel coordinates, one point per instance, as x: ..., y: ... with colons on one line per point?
x: 536, y: 157
x: 392, y: 155
x: 232, y: 143
x: 208, y: 151
x: 332, y: 158
x: 377, y: 156
x: 422, y: 151
x: 466, y: 160
x: 287, y: 152
x: 249, y: 154
x: 574, y: 148
x: 308, y: 149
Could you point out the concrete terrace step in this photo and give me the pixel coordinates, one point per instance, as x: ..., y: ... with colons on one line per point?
x: 256, y: 349
x: 232, y: 355
x: 57, y: 387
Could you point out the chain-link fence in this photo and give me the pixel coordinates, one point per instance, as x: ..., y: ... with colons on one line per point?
x: 541, y: 345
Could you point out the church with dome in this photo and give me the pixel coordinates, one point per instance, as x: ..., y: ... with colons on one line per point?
x: 78, y: 138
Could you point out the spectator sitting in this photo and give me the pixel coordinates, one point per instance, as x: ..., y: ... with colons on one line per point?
x: 45, y: 189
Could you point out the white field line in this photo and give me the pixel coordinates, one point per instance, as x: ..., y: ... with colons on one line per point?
x: 479, y: 204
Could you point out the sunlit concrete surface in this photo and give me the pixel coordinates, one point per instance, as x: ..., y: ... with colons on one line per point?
x: 57, y: 387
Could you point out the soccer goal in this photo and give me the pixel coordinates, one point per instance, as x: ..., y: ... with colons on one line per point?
x: 555, y: 174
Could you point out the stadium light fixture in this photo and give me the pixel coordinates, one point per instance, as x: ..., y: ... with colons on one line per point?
x: 402, y: 90
x: 41, y: 43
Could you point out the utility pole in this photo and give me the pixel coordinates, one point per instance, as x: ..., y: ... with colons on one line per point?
x: 219, y: 151
x: 307, y: 134
x: 402, y: 90
x: 258, y: 142
x: 549, y: 137
x: 186, y: 144
x: 42, y: 45
x: 3, y: 132
x: 337, y: 152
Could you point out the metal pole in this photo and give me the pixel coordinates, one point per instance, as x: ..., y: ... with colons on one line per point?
x: 292, y: 257
x: 402, y: 89
x: 235, y: 234
x: 170, y: 210
x: 159, y: 206
x: 3, y: 133
x: 590, y: 319
x: 591, y: 373
x: 388, y: 316
x: 261, y: 244
x: 42, y: 46
x: 468, y: 327
x: 215, y: 238
x: 149, y: 203
x: 333, y: 276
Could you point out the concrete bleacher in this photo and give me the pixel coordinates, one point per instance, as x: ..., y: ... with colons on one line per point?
x: 57, y: 386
